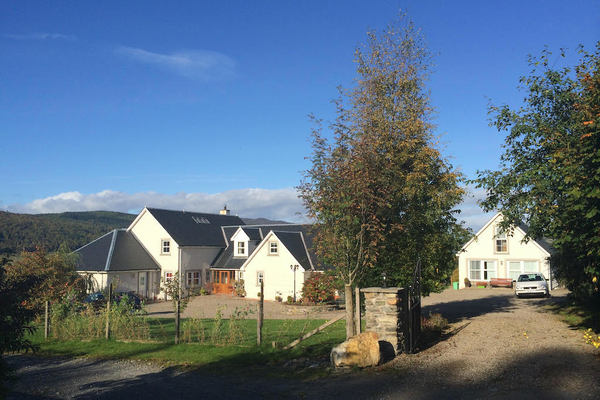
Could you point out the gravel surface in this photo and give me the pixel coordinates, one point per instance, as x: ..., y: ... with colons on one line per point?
x: 498, y: 347
x: 207, y: 306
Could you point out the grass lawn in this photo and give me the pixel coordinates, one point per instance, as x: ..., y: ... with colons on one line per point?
x: 577, y: 315
x: 209, y: 343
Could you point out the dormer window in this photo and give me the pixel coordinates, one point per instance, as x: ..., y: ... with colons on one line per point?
x: 500, y: 240
x: 165, y: 247
x: 241, y: 248
x: 273, y: 250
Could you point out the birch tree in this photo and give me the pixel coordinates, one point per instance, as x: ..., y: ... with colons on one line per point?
x: 378, y: 186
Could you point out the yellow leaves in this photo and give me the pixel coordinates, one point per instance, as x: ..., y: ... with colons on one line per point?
x: 589, y: 338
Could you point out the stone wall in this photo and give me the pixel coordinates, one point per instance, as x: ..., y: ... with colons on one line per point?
x: 384, y: 314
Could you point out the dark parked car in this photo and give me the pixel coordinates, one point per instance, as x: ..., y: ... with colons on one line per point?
x: 98, y: 300
x: 130, y: 297
x: 95, y: 299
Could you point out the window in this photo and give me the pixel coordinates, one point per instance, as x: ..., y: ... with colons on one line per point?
x: 207, y: 277
x: 168, y: 276
x: 529, y: 267
x: 272, y: 247
x: 516, y: 268
x: 260, y: 277
x: 500, y: 239
x: 241, y: 249
x: 193, y: 278
x: 165, y: 247
x: 482, y: 270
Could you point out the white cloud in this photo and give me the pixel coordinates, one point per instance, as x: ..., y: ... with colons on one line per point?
x: 281, y: 204
x: 196, y: 64
x: 39, y: 36
x: 471, y: 213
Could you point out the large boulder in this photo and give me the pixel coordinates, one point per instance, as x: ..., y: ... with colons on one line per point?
x: 360, y: 350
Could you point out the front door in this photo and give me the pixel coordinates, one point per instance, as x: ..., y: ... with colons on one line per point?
x: 222, y: 282
x: 142, y: 284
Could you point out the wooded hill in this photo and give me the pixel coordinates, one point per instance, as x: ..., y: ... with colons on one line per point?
x: 20, y: 232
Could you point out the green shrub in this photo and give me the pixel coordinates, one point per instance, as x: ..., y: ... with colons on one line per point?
x: 319, y: 288
x: 238, y: 288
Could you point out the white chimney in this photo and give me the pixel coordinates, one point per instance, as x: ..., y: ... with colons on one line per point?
x: 225, y: 211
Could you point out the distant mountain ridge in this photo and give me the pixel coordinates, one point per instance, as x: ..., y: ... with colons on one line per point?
x: 20, y: 232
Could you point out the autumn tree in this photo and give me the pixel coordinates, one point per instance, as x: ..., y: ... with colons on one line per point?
x: 55, y: 273
x: 15, y: 319
x: 549, y: 175
x: 378, y: 189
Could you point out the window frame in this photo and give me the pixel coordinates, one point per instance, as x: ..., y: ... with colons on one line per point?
x: 500, y: 239
x: 271, y: 252
x: 522, y: 269
x: 260, y: 276
x: 240, y: 244
x: 163, y: 247
x: 191, y: 277
x: 485, y: 272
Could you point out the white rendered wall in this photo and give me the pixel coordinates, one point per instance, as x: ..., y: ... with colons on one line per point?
x: 150, y: 234
x: 279, y: 278
x: 483, y: 247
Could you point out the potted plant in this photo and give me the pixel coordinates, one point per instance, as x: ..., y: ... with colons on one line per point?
x: 467, y: 282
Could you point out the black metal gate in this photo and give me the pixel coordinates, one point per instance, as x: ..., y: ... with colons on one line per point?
x: 413, y: 311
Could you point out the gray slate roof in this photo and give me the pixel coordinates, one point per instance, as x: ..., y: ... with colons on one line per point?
x: 295, y: 245
x: 291, y: 236
x: 118, y: 250
x: 195, y: 229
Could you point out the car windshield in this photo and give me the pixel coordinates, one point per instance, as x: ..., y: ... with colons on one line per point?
x: 530, y: 278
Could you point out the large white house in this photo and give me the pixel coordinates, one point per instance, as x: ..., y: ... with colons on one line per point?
x: 492, y: 253
x: 204, y: 249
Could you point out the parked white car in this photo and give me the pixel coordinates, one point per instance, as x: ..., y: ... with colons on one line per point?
x: 531, y: 284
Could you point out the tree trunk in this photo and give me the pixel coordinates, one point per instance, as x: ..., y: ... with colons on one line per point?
x: 47, y: 320
x: 108, y: 301
x: 259, y: 318
x: 349, y: 311
x: 357, y: 311
x: 177, y: 320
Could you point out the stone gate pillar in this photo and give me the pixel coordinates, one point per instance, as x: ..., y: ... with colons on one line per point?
x: 385, y: 315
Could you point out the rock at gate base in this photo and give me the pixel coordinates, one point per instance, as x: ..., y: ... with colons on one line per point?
x: 360, y: 350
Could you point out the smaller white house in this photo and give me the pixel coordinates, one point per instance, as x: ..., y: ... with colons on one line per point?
x: 277, y: 255
x: 280, y: 262
x: 492, y: 253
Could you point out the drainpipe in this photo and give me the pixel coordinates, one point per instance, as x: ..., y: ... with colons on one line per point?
x: 179, y: 268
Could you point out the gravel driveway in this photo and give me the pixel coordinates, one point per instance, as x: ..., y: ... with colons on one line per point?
x: 498, y: 347
x: 207, y: 306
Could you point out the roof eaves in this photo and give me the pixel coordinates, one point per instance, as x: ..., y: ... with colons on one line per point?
x: 477, y: 234
x: 93, y: 241
x: 111, y: 250
x: 312, y: 267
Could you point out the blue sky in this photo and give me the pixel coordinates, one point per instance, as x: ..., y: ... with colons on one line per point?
x: 117, y: 105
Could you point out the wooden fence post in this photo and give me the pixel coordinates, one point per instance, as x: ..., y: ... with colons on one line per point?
x: 108, y: 301
x: 46, y: 320
x: 357, y: 310
x: 259, y: 319
x: 177, y: 313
